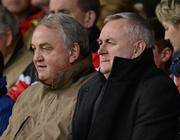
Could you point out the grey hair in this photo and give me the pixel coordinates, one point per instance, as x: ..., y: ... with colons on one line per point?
x: 169, y: 10
x: 138, y: 27
x: 72, y: 30
x: 7, y: 20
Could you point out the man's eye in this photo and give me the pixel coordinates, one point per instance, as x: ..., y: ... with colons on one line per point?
x: 46, y: 48
x: 99, y: 42
x: 110, y: 42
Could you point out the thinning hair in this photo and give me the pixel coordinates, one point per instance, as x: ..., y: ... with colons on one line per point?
x: 72, y: 30
x: 169, y: 10
x: 8, y: 21
x: 138, y: 28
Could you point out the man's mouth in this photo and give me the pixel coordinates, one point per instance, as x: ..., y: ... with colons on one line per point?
x: 40, y: 67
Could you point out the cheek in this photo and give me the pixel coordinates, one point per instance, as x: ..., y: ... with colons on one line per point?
x: 121, y: 52
x: 58, y: 63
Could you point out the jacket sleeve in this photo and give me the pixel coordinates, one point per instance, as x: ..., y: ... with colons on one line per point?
x: 158, y: 111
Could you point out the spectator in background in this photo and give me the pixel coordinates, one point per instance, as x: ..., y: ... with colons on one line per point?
x: 23, y: 12
x: 132, y: 99
x: 168, y: 12
x: 62, y: 59
x: 87, y: 13
x: 109, y: 7
x: 163, y: 50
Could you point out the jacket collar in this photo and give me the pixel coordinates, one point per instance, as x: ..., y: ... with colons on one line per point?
x: 130, y: 69
x: 73, y: 73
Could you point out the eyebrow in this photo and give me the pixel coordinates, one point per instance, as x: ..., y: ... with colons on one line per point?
x: 108, y: 38
x: 42, y: 44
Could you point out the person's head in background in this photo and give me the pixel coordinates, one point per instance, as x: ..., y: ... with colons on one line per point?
x: 168, y: 12
x: 124, y: 35
x: 110, y: 7
x: 19, y: 8
x: 59, y: 42
x: 8, y: 31
x: 42, y: 4
x: 84, y: 11
x: 163, y: 50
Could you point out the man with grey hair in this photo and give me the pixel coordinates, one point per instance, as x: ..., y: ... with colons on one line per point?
x: 132, y: 99
x: 62, y: 59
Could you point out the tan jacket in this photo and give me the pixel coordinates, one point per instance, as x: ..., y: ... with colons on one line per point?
x: 45, y: 113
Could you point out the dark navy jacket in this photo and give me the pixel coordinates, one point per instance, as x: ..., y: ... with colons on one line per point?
x: 137, y: 102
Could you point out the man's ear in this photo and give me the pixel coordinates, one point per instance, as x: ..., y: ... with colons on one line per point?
x: 9, y: 37
x: 166, y: 54
x: 74, y: 52
x: 139, y: 47
x: 89, y: 19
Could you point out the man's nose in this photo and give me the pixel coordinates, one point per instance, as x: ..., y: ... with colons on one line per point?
x: 37, y: 55
x: 101, y: 49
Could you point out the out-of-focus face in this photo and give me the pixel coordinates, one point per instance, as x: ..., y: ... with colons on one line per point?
x: 39, y: 2
x: 69, y: 7
x: 51, y: 57
x: 114, y: 41
x: 172, y: 33
x: 16, y: 6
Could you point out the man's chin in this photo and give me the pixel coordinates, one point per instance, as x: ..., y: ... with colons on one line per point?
x: 41, y: 77
x: 45, y: 81
x: 105, y: 71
